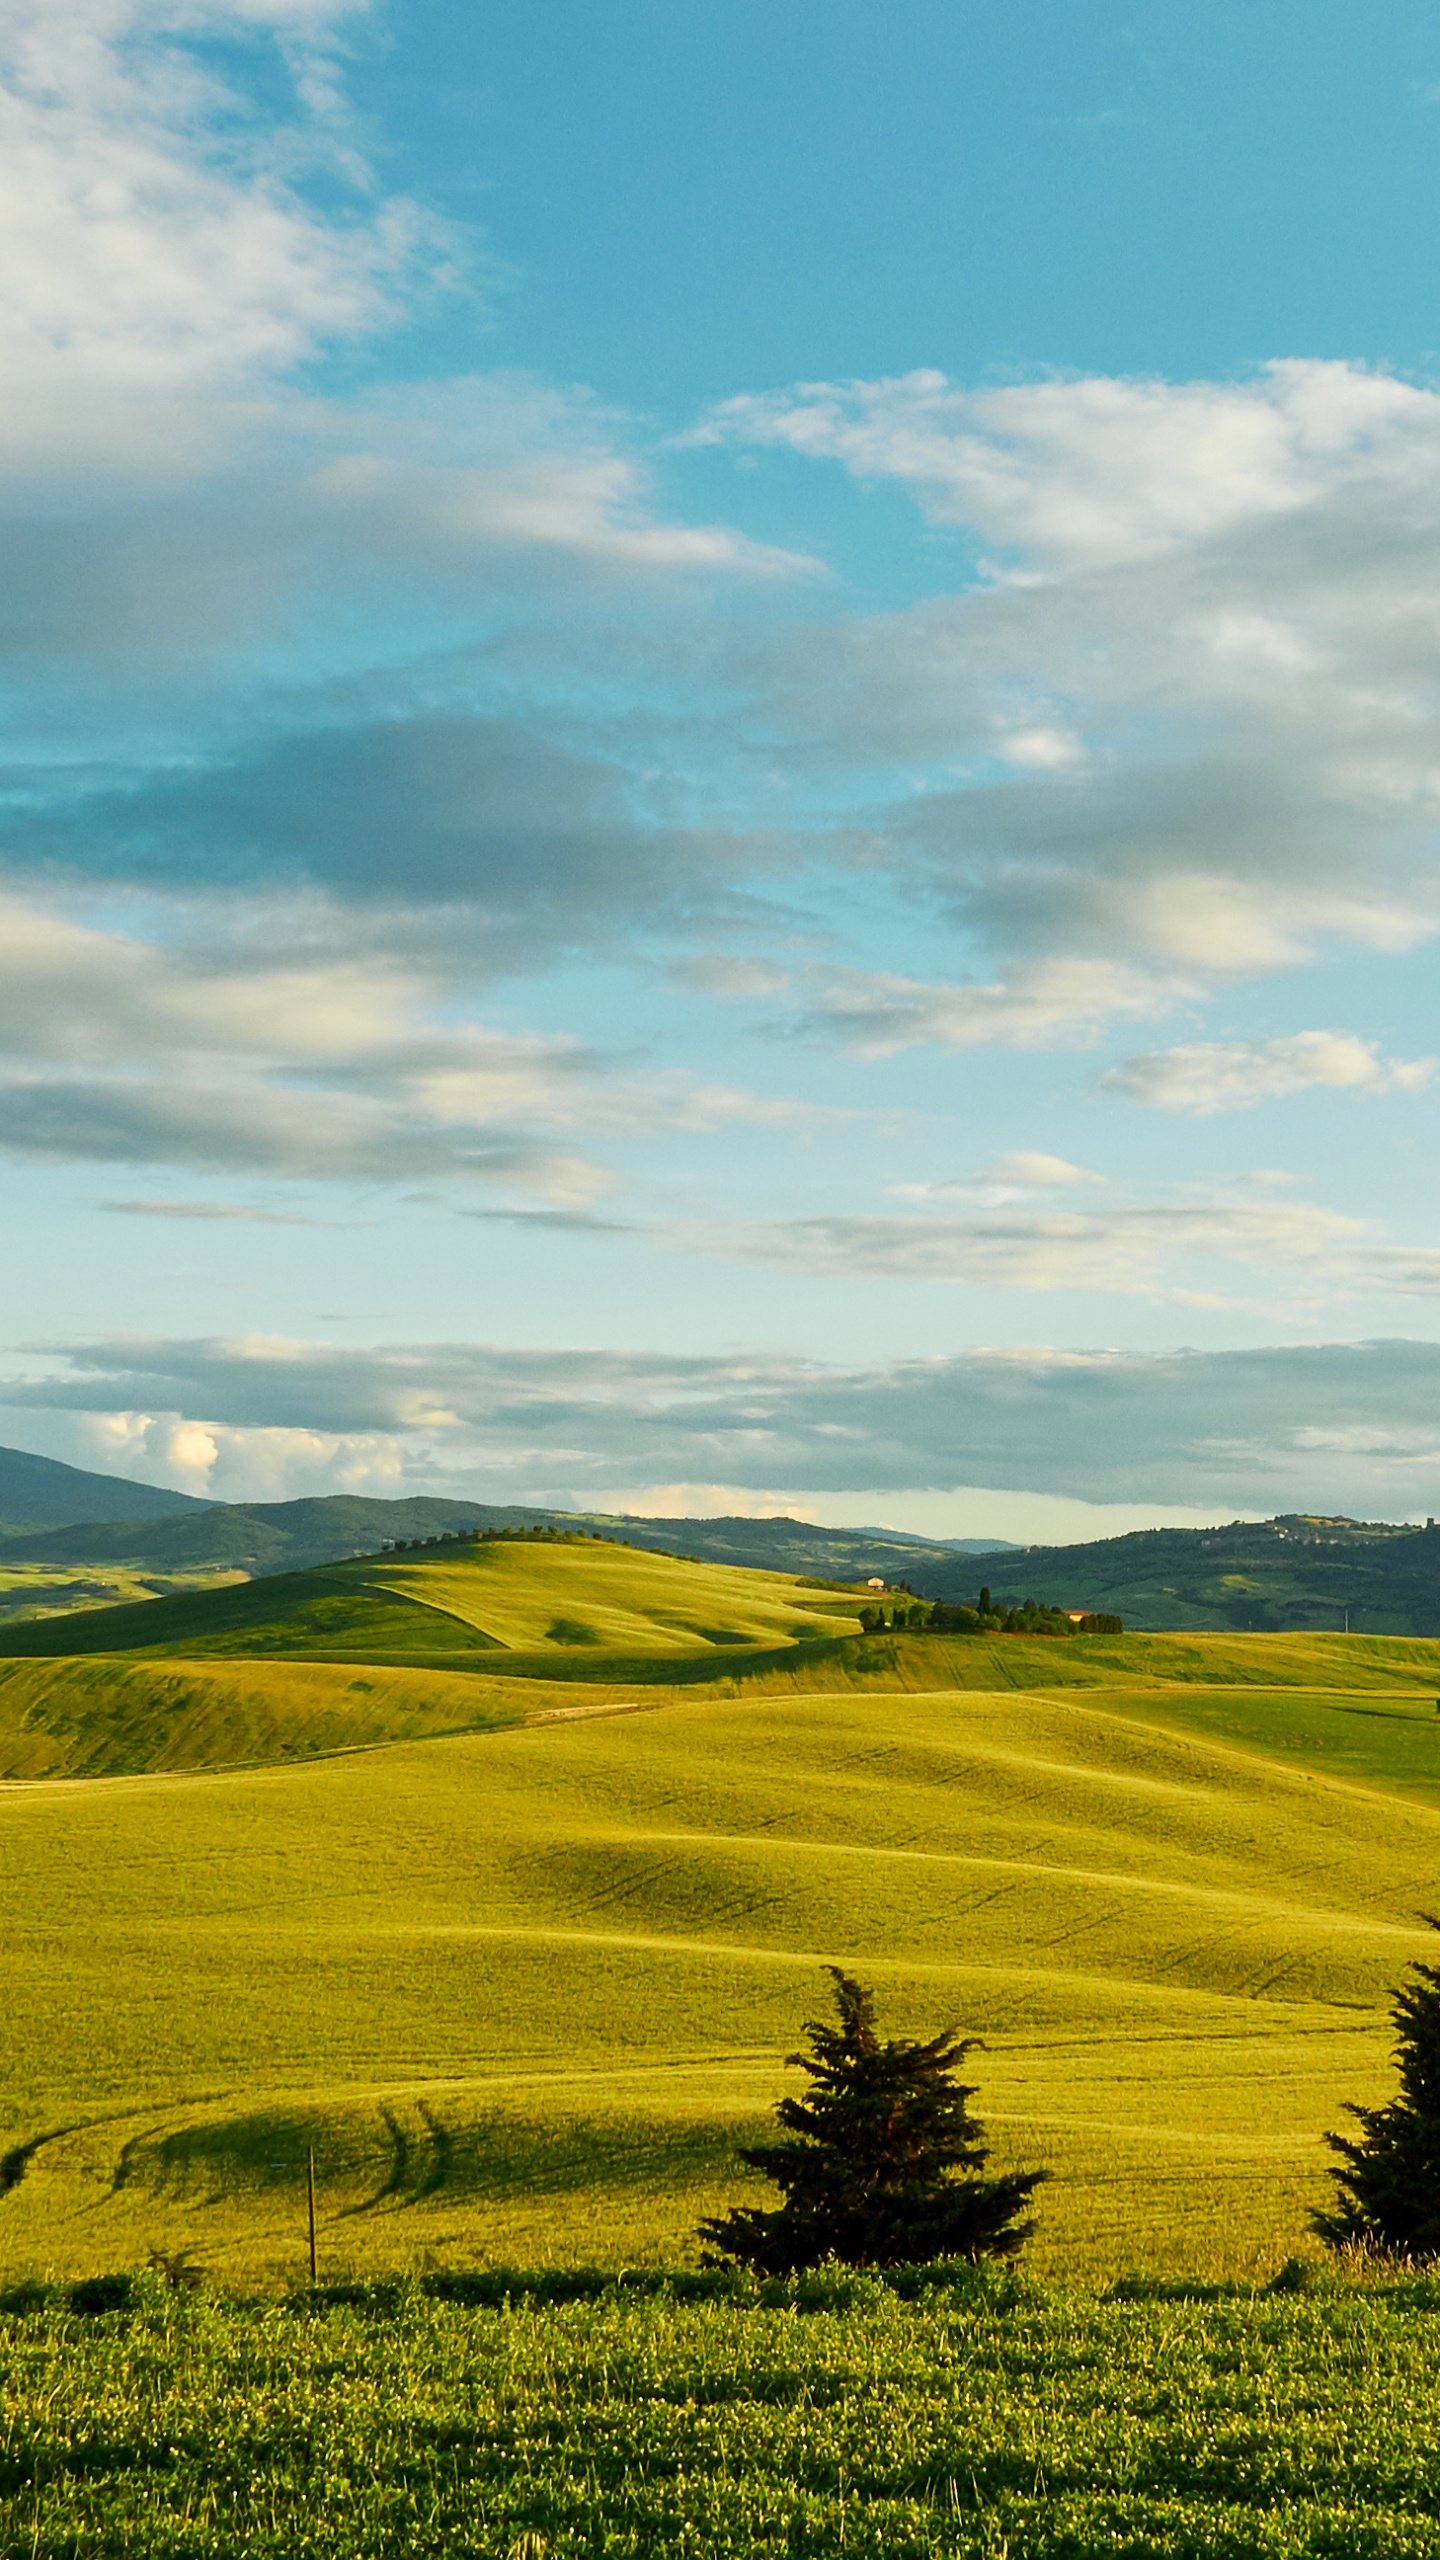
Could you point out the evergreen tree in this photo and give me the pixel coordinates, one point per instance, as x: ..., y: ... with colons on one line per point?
x: 887, y: 2169
x: 1390, y: 2183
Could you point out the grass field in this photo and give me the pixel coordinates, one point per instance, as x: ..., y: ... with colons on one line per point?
x: 835, y: 2418
x: 520, y: 1957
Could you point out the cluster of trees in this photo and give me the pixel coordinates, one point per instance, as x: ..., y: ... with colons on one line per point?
x: 485, y: 1537
x: 987, y: 1618
x: 888, y: 2166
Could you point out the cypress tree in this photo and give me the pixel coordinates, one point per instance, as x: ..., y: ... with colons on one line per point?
x: 1390, y: 2182
x: 888, y: 2166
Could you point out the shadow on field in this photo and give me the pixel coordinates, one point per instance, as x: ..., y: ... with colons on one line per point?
x: 402, y: 2151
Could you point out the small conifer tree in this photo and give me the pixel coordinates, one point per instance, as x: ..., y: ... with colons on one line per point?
x: 888, y: 2166
x: 1390, y: 2182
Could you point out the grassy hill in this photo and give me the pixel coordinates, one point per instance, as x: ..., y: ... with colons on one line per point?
x: 74, y: 1541
x: 591, y: 1603
x: 521, y: 1961
x: 1293, y: 1572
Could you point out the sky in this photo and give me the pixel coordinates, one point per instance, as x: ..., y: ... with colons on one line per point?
x: 723, y: 754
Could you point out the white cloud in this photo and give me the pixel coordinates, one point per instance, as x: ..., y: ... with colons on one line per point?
x: 561, y: 489
x: 1234, y: 1075
x: 1048, y: 750
x: 1187, y: 730
x: 1050, y: 1003
x: 1101, y: 471
x: 1011, y: 1177
x: 225, y: 1464
x: 1031, y: 1170
x: 1124, y: 1251
x: 158, y: 250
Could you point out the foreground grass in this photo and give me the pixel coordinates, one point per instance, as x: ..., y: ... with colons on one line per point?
x: 834, y: 2416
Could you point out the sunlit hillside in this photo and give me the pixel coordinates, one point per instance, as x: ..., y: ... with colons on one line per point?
x: 565, y: 1597
x: 523, y: 1985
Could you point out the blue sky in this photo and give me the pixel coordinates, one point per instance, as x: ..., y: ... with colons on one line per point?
x: 722, y: 755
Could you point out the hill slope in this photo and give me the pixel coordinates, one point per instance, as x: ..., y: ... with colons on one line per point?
x: 1292, y: 1572
x: 39, y: 1494
x: 523, y: 1991
x: 515, y: 1927
x: 589, y: 1602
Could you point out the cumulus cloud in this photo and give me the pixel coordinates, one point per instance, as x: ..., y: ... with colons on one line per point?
x: 1207, y: 1076
x: 1339, y: 1426
x: 161, y: 251
x: 1180, y: 726
x: 1097, y: 471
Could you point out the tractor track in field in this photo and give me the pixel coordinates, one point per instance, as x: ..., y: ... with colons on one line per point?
x: 15, y: 2162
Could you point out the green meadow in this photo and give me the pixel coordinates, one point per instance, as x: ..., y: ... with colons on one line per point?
x: 513, y: 1921
x: 983, y: 2420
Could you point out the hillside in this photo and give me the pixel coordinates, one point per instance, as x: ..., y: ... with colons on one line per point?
x: 579, y: 1603
x: 1295, y: 1572
x: 501, y: 1876
x: 523, y: 1988
x: 39, y: 1494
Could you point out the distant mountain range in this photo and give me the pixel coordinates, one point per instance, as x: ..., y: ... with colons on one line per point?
x: 63, y: 1517
x: 1296, y: 1572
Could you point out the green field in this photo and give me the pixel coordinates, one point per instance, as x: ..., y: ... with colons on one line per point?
x: 516, y: 1935
x: 832, y: 2418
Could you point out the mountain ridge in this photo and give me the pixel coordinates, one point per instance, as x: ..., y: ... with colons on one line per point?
x: 38, y: 1494
x: 282, y: 1537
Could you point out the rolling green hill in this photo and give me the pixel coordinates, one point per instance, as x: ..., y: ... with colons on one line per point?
x: 521, y: 1961
x: 590, y: 1602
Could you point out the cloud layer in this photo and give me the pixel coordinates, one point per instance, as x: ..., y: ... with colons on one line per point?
x: 1342, y: 1426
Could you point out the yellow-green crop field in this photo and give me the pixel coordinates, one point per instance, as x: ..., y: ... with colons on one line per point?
x: 514, y: 1924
